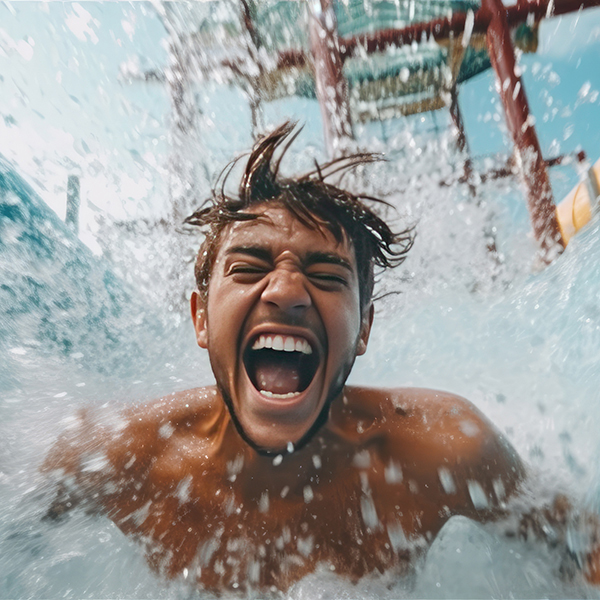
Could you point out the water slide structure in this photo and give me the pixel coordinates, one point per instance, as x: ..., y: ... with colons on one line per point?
x: 378, y: 61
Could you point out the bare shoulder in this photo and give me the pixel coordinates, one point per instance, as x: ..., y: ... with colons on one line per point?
x: 439, y: 437
x: 419, y: 408
x: 446, y: 417
x: 103, y: 441
x: 105, y: 457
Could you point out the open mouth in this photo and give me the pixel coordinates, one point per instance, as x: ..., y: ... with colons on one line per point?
x: 280, y: 366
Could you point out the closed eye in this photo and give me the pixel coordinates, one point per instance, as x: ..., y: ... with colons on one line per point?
x: 246, y: 273
x: 246, y: 269
x: 328, y: 278
x: 327, y: 270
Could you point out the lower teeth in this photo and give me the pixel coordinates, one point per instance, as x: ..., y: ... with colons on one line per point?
x: 268, y: 394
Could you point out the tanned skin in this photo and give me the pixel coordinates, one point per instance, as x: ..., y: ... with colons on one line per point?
x: 379, y: 479
x: 238, y: 488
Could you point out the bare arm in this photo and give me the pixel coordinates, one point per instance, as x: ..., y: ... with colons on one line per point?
x: 97, y: 456
x: 559, y: 524
x: 103, y: 457
x: 475, y: 468
x: 492, y: 485
x: 70, y: 463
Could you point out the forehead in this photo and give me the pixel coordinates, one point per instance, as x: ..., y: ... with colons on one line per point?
x: 278, y: 229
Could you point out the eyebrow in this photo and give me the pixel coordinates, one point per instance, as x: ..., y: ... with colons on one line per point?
x: 255, y: 251
x: 327, y: 257
x: 311, y: 258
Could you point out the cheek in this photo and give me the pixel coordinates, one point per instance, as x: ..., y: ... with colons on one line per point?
x: 226, y: 312
x: 216, y: 323
x: 344, y: 329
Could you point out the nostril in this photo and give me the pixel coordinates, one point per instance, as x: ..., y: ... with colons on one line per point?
x: 287, y: 302
x: 287, y: 292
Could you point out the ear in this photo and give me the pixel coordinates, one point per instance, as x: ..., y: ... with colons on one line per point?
x: 365, y: 330
x: 199, y: 319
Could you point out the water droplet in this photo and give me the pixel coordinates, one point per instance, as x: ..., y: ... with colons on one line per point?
x: 263, y: 503
x: 308, y: 494
x: 447, y: 480
x: 393, y: 473
x: 478, y: 496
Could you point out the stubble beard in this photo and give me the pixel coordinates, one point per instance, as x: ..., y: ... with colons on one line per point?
x: 321, y: 419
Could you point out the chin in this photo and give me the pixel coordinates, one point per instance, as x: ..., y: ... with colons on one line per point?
x: 270, y: 432
x: 280, y: 394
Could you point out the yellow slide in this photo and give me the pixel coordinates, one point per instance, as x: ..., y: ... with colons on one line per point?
x: 577, y: 208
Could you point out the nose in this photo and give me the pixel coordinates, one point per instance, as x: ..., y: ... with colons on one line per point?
x: 286, y: 289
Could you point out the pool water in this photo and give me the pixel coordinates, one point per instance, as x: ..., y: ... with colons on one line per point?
x: 100, y: 318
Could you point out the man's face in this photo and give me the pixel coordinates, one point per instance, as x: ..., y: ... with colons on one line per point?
x: 282, y: 324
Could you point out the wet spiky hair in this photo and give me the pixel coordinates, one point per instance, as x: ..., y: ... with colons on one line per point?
x: 315, y: 203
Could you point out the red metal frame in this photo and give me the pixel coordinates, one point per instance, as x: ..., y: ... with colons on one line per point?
x: 495, y: 20
x: 533, y: 170
x: 440, y: 29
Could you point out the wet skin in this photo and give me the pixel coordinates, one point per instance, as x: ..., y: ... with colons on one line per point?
x: 276, y: 277
x: 206, y: 477
x: 366, y: 494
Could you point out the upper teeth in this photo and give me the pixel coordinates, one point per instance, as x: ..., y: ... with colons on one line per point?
x: 286, y: 343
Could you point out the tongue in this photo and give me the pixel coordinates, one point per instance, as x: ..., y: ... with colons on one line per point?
x: 279, y: 376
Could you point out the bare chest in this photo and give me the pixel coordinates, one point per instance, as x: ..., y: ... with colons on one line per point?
x: 231, y: 534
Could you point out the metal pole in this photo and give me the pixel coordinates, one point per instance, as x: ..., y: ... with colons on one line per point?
x: 332, y: 88
x: 461, y: 138
x: 520, y: 123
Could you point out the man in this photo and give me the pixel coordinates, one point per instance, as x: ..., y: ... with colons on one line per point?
x: 281, y: 468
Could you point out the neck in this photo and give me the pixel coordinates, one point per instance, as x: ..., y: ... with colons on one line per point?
x: 252, y: 469
x: 320, y: 423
